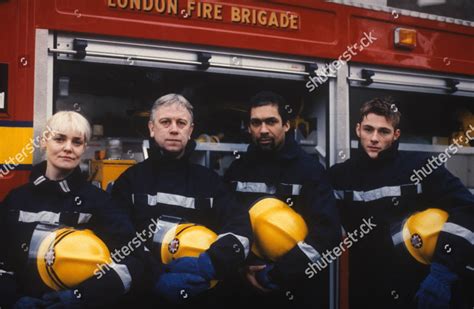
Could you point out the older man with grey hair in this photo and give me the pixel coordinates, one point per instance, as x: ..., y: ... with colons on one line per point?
x: 171, y: 124
x: 168, y: 184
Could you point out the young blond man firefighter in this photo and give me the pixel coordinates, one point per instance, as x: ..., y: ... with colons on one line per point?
x: 168, y: 184
x: 276, y: 166
x: 389, y: 266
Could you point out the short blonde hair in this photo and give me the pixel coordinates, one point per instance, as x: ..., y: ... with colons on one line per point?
x: 66, y: 121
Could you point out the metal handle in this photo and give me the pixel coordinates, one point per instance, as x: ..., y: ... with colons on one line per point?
x: 221, y: 65
x: 124, y: 57
x: 362, y: 80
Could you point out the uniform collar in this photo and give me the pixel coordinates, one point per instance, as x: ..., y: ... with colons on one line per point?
x: 385, y: 156
x: 289, y: 150
x: 158, y: 155
x: 69, y: 184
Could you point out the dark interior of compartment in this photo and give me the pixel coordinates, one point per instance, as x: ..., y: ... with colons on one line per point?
x: 119, y: 97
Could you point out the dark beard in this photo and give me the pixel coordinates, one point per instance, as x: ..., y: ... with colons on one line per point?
x: 267, y: 147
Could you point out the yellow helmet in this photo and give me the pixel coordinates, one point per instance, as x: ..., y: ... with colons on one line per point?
x: 176, y: 239
x: 420, y: 233
x: 187, y: 239
x: 66, y: 257
x: 277, y: 228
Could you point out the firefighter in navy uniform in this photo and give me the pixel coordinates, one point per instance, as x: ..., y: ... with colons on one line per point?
x: 57, y: 194
x: 275, y: 165
x: 378, y: 182
x: 167, y: 184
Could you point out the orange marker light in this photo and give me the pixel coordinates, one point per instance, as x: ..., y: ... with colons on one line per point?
x: 405, y: 38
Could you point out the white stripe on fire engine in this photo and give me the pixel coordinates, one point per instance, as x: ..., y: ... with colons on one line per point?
x: 375, y: 194
x: 459, y: 231
x: 244, y: 241
x: 124, y: 274
x: 309, y: 251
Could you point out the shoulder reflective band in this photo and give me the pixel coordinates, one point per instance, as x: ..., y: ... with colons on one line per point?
x: 459, y: 231
x: 244, y: 241
x: 261, y: 187
x: 175, y: 200
x: 379, y: 193
x: 122, y: 271
x: 309, y: 251
x: 49, y: 217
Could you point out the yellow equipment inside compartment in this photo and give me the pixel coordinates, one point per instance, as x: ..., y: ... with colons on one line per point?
x: 107, y: 171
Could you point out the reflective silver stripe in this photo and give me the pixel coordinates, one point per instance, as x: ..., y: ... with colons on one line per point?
x: 255, y: 187
x: 133, y: 199
x: 42, y: 216
x: 244, y: 241
x: 171, y: 199
x: 4, y: 272
x: 48, y: 217
x: 375, y: 194
x: 339, y: 194
x: 84, y: 218
x: 124, y: 274
x: 261, y: 187
x: 295, y: 188
x: 469, y: 267
x: 397, y: 238
x: 39, y: 180
x: 309, y: 251
x: 459, y: 231
x: 64, y: 186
